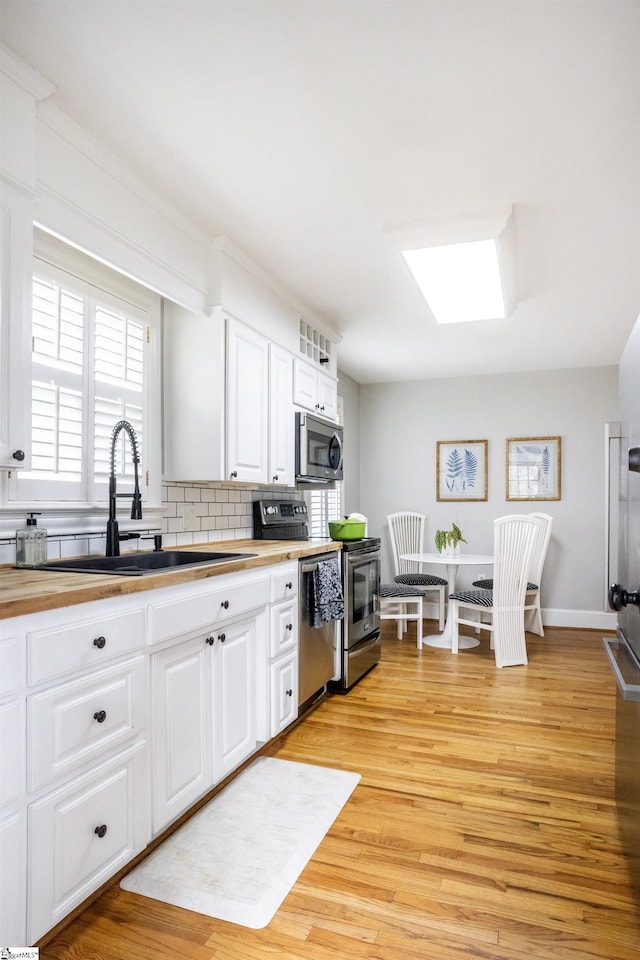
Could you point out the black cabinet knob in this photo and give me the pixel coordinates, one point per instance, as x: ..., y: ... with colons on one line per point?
x: 289, y: 693
x: 619, y: 597
x: 289, y: 586
x: 18, y: 455
x: 222, y: 637
x: 101, y: 830
x: 289, y: 626
x: 100, y: 716
x: 209, y: 640
x: 275, y: 479
x: 225, y: 604
x: 234, y: 474
x: 99, y: 642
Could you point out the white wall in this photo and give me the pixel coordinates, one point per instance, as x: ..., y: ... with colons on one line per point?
x: 401, y: 422
x: 349, y: 390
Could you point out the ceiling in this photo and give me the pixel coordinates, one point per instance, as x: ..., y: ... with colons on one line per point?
x: 302, y: 130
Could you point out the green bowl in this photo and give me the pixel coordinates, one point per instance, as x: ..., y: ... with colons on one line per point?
x: 346, y: 529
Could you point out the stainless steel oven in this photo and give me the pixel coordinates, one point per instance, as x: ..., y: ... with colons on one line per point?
x: 361, y: 625
x: 359, y: 631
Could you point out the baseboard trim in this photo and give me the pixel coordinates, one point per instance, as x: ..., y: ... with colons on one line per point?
x: 585, y: 619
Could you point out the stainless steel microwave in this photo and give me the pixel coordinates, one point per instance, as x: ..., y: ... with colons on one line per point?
x: 318, y: 449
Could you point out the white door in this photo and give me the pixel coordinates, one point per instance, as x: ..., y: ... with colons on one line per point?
x: 284, y: 693
x: 234, y: 685
x: 281, y: 418
x: 182, y: 731
x: 247, y: 404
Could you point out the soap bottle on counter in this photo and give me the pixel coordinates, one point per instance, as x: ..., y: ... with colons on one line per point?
x: 31, y: 543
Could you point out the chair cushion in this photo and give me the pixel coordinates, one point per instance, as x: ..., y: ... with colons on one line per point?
x: 487, y: 584
x: 398, y: 590
x: 483, y: 598
x: 420, y: 580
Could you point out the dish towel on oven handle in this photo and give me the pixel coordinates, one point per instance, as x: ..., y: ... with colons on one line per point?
x: 326, y: 600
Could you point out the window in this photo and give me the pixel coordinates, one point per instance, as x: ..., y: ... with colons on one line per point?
x: 324, y: 505
x: 94, y: 363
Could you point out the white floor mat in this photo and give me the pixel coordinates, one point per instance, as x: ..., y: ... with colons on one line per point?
x: 238, y: 857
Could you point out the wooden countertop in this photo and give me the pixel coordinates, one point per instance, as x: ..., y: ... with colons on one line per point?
x: 27, y: 591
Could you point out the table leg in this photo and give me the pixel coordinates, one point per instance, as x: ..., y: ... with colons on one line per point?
x: 444, y: 640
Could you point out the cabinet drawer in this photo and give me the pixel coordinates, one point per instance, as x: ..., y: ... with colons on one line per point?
x: 180, y: 617
x: 284, y: 582
x: 83, y: 645
x: 284, y: 628
x: 70, y: 851
x: 76, y: 721
x: 8, y: 666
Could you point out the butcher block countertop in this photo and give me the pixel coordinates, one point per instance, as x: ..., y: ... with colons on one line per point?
x: 27, y: 591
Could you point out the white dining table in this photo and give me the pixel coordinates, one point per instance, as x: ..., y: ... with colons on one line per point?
x: 452, y: 562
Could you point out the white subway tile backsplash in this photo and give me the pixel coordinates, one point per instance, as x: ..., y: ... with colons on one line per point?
x: 191, y: 513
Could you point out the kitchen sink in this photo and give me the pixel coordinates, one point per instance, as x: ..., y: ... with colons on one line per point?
x: 139, y: 564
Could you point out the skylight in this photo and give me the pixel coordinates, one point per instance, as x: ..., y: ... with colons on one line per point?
x: 460, y: 281
x: 464, y: 265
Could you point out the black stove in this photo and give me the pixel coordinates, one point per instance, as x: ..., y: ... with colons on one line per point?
x: 366, y: 545
x: 280, y: 520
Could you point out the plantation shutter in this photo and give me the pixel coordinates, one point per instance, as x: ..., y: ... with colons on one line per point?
x: 324, y: 505
x: 88, y: 372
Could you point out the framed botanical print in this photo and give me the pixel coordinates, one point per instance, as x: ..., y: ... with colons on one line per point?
x: 534, y: 468
x: 461, y: 469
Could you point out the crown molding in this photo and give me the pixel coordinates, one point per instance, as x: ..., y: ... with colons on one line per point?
x: 223, y: 244
x: 24, y: 75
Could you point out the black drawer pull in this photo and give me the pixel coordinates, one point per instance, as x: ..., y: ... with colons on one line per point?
x: 289, y: 585
x: 225, y: 604
x: 99, y: 642
x: 100, y: 716
x: 289, y: 626
x: 209, y: 640
x: 289, y: 693
x: 222, y: 637
x: 101, y: 830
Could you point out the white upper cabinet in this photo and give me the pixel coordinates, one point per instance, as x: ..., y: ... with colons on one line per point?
x: 281, y: 419
x: 314, y: 390
x: 16, y: 244
x: 247, y: 403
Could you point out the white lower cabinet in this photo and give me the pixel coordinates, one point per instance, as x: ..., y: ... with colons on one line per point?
x: 203, y: 693
x: 181, y: 724
x: 131, y: 709
x: 81, y: 833
x: 234, y: 694
x: 13, y: 878
x: 283, y: 648
x: 87, y: 794
x: 284, y: 693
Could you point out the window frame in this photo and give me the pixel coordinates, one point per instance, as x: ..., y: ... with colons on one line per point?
x: 86, y: 271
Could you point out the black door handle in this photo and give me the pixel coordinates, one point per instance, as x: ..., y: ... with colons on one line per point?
x: 619, y: 597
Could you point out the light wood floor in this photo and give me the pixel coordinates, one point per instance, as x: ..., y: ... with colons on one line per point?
x: 484, y: 824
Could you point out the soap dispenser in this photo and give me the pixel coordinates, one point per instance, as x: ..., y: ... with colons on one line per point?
x: 31, y: 543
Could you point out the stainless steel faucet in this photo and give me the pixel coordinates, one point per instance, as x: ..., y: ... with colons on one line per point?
x: 113, y: 535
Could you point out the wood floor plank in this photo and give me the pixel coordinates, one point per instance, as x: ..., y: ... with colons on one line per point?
x: 483, y: 826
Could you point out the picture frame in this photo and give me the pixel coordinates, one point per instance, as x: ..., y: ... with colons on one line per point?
x: 461, y: 470
x: 533, y: 468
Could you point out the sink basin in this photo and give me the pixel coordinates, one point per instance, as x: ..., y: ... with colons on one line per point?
x: 139, y: 564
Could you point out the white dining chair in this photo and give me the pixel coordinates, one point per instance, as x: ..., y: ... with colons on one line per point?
x: 406, y: 532
x: 404, y: 604
x: 533, y: 613
x: 514, y: 538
